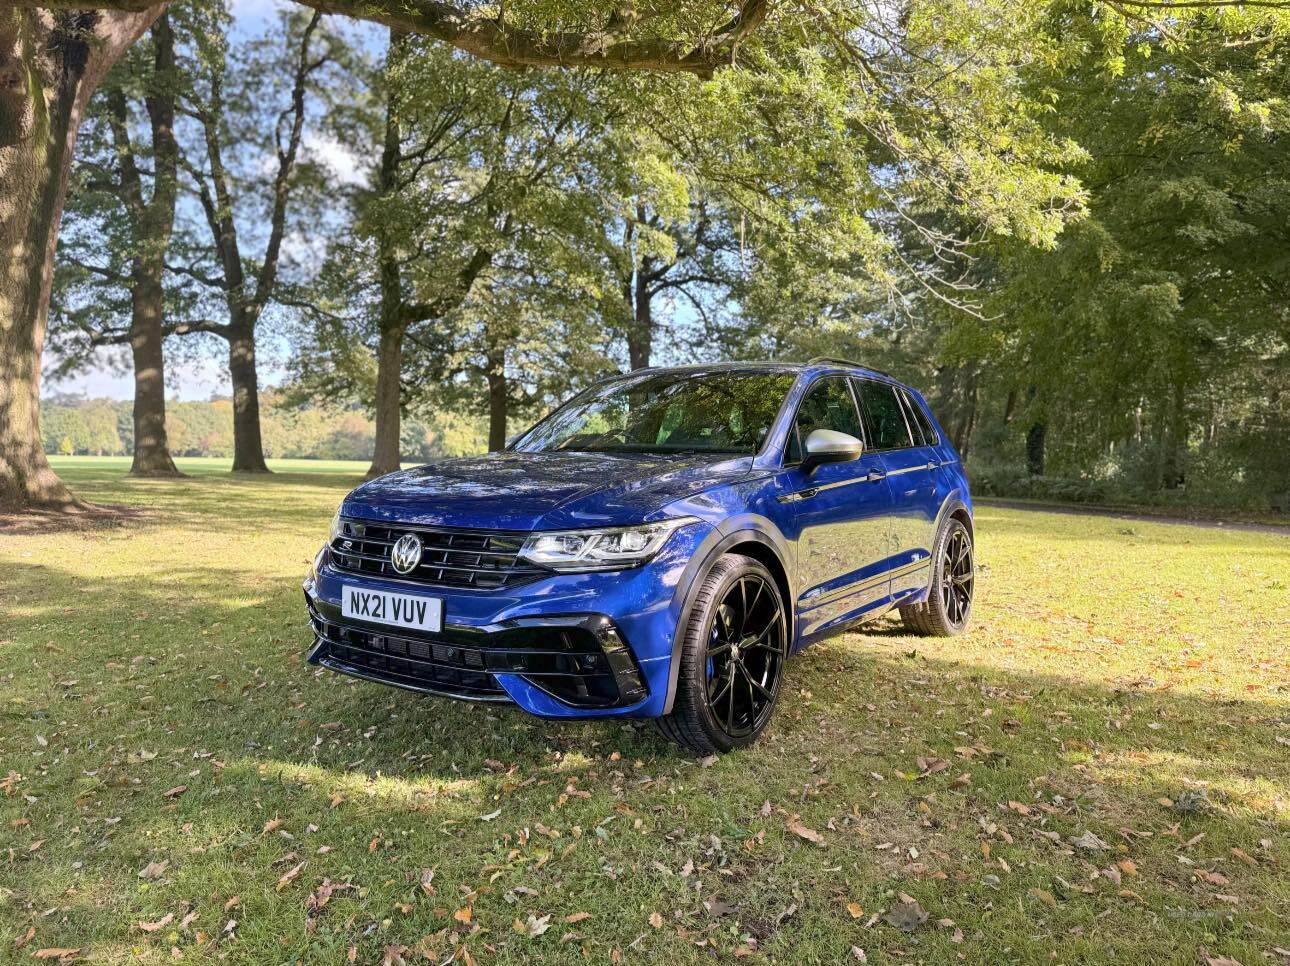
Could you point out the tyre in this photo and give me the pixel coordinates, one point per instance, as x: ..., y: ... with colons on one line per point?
x: 732, y: 658
x: 949, y: 601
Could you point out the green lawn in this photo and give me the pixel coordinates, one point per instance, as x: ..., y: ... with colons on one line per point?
x: 1099, y: 771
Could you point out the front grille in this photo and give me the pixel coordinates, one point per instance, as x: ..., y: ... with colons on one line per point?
x: 482, y: 559
x: 568, y: 662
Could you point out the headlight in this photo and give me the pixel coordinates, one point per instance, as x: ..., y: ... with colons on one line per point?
x: 603, y: 549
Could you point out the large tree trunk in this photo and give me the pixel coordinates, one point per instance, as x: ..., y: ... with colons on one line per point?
x: 49, y: 66
x: 151, y: 448
x: 640, y: 335
x: 389, y: 370
x: 497, y: 401
x: 248, y: 452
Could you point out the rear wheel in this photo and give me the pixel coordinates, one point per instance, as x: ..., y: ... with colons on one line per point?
x: 949, y: 601
x: 732, y: 659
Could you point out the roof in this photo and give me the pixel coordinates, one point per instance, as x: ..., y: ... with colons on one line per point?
x: 820, y: 364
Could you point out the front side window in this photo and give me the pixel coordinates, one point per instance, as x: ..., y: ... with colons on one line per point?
x: 828, y: 405
x: 666, y: 412
x: 887, y: 425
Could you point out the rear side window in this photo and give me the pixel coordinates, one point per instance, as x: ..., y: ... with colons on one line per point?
x: 918, y: 419
x: 828, y: 405
x: 887, y: 426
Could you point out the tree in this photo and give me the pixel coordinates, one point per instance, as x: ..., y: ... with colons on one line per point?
x: 1145, y: 332
x: 50, y: 64
x: 120, y: 222
x: 228, y: 123
x: 53, y: 53
x: 470, y: 153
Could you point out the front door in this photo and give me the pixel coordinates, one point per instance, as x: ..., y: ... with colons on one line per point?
x: 841, y: 515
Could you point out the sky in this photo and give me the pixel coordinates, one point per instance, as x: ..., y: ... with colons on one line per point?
x: 187, y: 379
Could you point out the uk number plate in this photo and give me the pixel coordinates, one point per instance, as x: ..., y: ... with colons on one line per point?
x: 397, y: 610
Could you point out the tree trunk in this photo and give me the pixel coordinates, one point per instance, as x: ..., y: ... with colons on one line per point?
x: 497, y: 401
x: 389, y: 369
x: 640, y: 335
x: 1172, y: 474
x: 151, y: 448
x: 50, y: 63
x: 248, y: 453
x: 1035, y: 438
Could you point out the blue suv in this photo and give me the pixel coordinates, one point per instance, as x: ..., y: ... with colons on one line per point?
x: 655, y: 548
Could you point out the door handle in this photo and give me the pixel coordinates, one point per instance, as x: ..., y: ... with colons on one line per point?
x: 932, y: 465
x: 874, y: 476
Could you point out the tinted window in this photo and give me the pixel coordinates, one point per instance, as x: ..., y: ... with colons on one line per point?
x: 666, y: 412
x: 828, y: 405
x: 887, y: 427
x: 918, y: 417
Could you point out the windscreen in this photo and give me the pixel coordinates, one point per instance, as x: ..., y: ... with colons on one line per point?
x: 666, y: 412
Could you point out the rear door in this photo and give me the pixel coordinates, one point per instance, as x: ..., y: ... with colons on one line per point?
x: 841, y: 514
x: 909, y: 462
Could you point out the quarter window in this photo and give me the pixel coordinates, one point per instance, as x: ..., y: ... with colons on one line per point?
x: 887, y: 426
x: 828, y: 405
x: 918, y: 419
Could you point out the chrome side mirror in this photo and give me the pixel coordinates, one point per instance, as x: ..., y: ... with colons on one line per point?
x: 829, y: 446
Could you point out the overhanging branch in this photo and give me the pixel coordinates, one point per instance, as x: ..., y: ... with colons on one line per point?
x: 490, y: 38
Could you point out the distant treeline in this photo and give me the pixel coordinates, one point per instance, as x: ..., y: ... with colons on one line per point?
x: 75, y: 425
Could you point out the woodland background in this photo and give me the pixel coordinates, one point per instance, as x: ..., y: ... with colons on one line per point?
x: 1066, y: 222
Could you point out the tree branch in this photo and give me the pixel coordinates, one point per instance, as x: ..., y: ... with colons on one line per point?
x: 489, y: 37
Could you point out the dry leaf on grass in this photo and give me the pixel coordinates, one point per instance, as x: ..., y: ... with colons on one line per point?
x: 161, y: 923
x: 289, y: 876
x: 802, y: 832
x: 906, y: 914
x: 1044, y: 896
x: 154, y: 870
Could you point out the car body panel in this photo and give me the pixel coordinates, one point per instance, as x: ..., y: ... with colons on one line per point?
x: 849, y: 540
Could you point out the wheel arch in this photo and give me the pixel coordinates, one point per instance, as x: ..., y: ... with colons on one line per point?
x: 757, y: 544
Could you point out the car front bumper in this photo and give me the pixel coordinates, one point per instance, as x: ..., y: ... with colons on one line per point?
x: 564, y: 646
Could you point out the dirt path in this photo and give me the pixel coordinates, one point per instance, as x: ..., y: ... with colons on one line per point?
x: 1143, y: 517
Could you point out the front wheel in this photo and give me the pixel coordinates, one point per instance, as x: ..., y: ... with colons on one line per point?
x: 949, y: 600
x: 732, y: 659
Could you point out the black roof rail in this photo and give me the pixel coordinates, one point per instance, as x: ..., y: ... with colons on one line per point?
x: 839, y: 361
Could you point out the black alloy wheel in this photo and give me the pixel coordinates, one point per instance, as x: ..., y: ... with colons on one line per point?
x: 948, y: 607
x: 957, y: 577
x: 745, y: 656
x: 732, y: 659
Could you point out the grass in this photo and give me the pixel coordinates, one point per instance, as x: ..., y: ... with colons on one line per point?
x: 1098, y: 772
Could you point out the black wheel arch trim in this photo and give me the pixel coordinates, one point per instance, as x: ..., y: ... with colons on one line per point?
x: 953, y: 503
x: 714, y: 545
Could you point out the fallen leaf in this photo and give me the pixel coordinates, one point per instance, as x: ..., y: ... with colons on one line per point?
x: 533, y: 926
x: 161, y: 923
x: 463, y: 914
x: 1127, y: 866
x: 1044, y: 896
x: 174, y: 792
x: 577, y: 917
x: 1209, y: 960
x: 272, y: 825
x: 154, y: 870
x: 56, y: 952
x: 855, y: 910
x: 1088, y: 842
x: 906, y: 914
x: 656, y: 920
x: 801, y: 831
x: 289, y: 876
